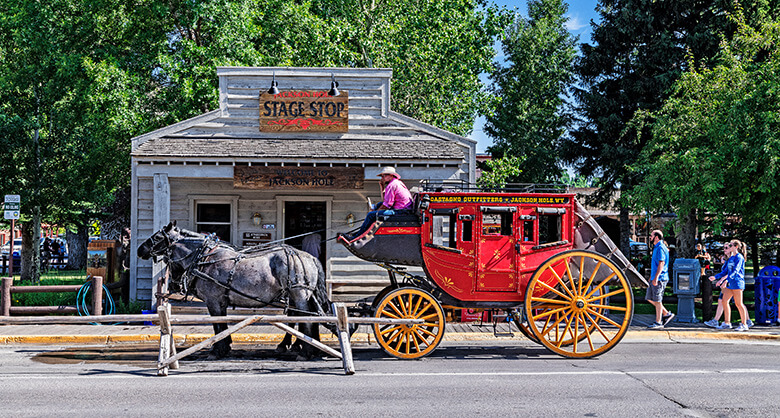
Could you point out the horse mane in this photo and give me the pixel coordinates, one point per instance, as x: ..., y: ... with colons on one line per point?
x: 191, y: 234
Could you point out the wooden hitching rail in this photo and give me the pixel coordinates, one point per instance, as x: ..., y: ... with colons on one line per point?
x: 168, y: 358
x: 8, y: 288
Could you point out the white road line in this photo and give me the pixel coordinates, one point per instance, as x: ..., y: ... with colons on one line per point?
x: 298, y: 373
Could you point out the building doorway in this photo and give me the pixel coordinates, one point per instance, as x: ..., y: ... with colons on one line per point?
x: 303, y: 217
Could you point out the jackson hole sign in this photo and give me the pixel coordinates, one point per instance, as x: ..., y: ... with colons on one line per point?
x: 304, y: 111
x: 283, y: 178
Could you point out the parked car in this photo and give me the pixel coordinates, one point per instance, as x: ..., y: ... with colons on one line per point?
x: 638, y: 248
x: 17, y: 247
x: 17, y: 252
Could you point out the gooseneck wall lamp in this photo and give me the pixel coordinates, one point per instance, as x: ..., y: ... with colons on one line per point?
x: 334, y: 86
x: 273, y: 90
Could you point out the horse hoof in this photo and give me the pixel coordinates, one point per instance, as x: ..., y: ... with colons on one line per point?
x: 301, y: 357
x: 281, y: 349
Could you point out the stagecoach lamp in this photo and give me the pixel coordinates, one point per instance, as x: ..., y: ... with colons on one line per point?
x: 256, y: 219
x: 351, y: 220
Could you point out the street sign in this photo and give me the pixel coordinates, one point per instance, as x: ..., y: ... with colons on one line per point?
x: 11, y: 206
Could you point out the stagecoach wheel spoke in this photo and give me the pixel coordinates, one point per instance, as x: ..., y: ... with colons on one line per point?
x: 572, y: 304
x: 410, y: 340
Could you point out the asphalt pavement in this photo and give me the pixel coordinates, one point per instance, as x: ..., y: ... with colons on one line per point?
x: 454, y: 331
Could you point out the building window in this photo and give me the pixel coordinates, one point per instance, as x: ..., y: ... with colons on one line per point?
x: 214, y: 218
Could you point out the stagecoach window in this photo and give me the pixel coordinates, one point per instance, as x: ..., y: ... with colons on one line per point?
x: 444, y: 230
x: 528, y: 231
x: 550, y: 228
x: 497, y: 223
x: 214, y: 218
x: 467, y: 230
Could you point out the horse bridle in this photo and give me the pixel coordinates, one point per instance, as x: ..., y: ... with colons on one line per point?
x: 165, y: 252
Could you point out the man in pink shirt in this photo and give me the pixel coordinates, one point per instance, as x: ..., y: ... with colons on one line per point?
x: 395, y: 197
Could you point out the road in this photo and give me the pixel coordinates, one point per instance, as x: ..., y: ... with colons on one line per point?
x: 489, y: 378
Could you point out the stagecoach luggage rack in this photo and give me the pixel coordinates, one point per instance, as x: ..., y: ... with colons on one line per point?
x: 466, y: 187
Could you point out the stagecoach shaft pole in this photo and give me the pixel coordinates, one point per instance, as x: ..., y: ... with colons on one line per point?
x: 342, y: 324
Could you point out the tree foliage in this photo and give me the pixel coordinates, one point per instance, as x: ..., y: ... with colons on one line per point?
x: 498, y: 171
x: 529, y: 117
x: 716, y: 142
x: 638, y: 50
x: 79, y: 78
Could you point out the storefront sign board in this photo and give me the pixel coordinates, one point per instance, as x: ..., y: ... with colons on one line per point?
x: 297, y: 178
x: 304, y: 111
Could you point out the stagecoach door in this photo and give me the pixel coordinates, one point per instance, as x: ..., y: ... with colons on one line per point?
x: 497, y: 252
x: 308, y: 219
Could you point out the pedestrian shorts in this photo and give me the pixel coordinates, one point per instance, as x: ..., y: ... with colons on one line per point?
x: 736, y: 284
x: 656, y: 293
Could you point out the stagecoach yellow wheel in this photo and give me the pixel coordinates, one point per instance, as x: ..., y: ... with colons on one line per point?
x: 578, y: 304
x: 409, y: 341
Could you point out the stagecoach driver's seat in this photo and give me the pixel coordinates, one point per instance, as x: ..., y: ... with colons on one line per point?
x: 395, y: 197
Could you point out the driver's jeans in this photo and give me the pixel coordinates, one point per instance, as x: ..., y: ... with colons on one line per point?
x: 370, y: 219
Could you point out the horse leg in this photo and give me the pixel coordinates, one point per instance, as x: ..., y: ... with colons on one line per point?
x: 221, y: 348
x: 311, y: 330
x: 284, y: 346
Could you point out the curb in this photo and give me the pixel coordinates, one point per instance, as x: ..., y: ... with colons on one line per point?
x: 358, y: 338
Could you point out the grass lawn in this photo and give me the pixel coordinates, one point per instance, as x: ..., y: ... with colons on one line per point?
x: 65, y: 277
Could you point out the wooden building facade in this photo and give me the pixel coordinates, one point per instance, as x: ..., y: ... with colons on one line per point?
x: 264, y: 167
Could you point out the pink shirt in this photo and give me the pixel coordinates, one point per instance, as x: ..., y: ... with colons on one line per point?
x: 397, y: 196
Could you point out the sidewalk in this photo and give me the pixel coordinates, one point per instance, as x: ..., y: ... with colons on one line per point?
x: 259, y: 334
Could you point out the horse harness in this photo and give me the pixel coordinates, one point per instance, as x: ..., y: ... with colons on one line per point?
x: 208, y: 248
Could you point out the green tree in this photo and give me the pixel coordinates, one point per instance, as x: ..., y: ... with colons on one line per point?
x: 80, y: 78
x: 638, y: 50
x: 529, y: 116
x: 497, y: 172
x: 61, y: 122
x: 716, y: 142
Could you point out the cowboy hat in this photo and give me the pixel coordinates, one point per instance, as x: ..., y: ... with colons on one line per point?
x: 389, y: 170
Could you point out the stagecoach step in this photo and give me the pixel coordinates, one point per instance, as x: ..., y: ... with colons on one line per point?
x: 502, y: 325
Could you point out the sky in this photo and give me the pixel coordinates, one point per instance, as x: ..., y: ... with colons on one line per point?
x: 580, y: 14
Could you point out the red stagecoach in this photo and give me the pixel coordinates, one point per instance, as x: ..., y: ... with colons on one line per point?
x: 537, y: 254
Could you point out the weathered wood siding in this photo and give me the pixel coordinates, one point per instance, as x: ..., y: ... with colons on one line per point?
x: 190, y: 154
x: 341, y: 265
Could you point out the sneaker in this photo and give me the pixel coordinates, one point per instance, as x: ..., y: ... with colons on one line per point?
x: 724, y: 325
x: 749, y: 323
x: 655, y: 325
x: 741, y: 327
x: 667, y: 318
x: 712, y: 323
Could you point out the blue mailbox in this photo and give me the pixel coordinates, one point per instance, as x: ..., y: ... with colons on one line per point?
x: 687, y: 272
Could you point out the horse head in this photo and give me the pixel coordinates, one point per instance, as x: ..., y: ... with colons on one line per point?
x: 160, y: 242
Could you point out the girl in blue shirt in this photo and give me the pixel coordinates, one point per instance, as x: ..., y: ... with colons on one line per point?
x: 732, y: 282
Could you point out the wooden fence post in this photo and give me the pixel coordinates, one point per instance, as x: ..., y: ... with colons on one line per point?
x: 5, y: 299
x: 167, y: 345
x: 343, y: 329
x: 97, y: 295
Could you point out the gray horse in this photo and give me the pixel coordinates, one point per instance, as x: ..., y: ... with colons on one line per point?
x: 221, y: 276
